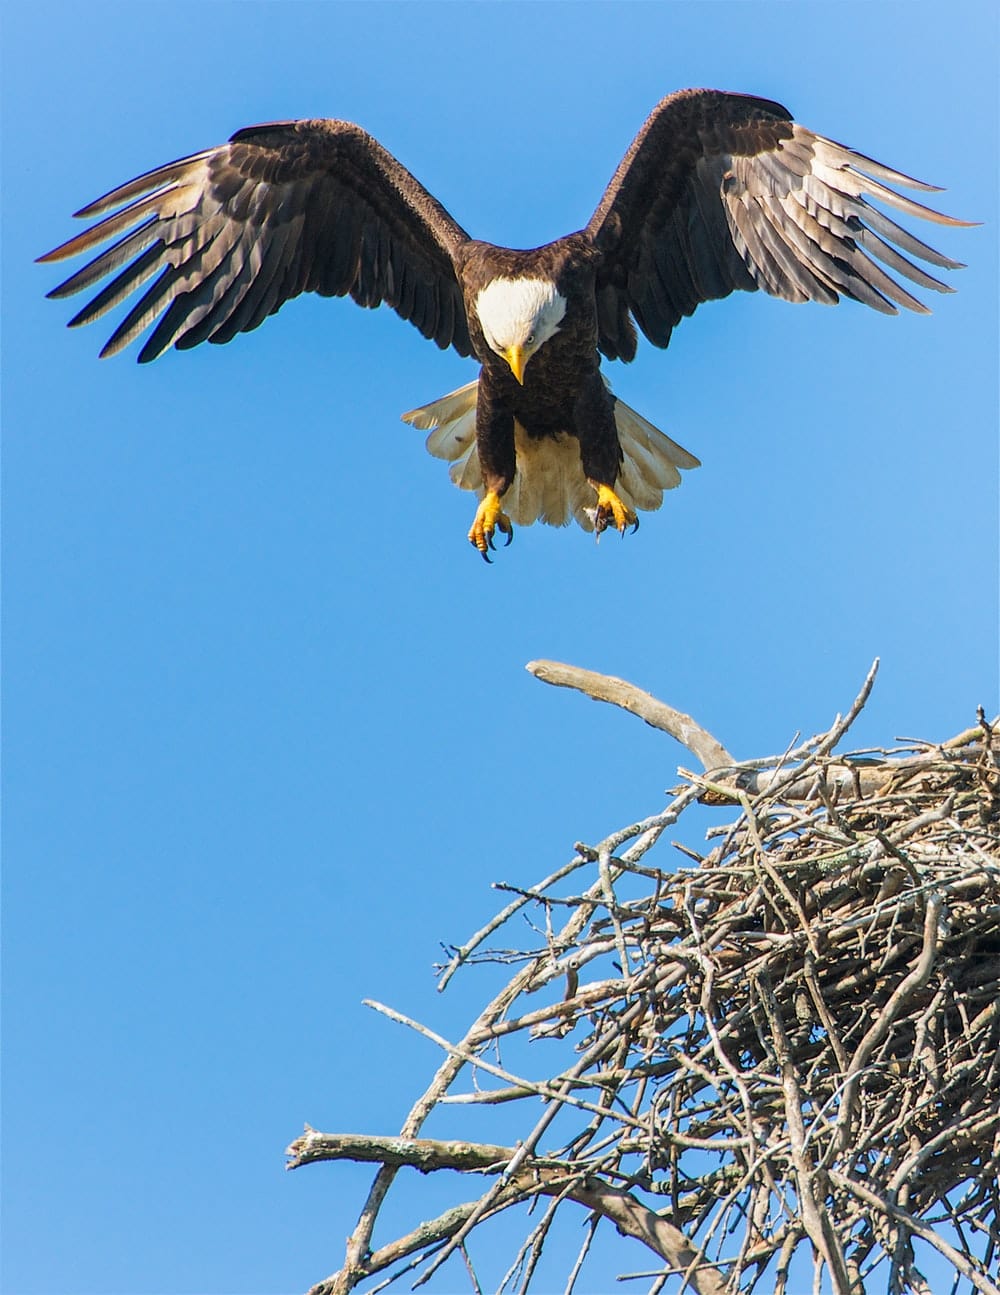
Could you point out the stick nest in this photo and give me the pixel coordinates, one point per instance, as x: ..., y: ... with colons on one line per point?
x: 777, y: 1066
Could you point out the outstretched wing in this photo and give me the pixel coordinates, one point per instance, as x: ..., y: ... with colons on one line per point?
x: 233, y: 232
x: 724, y: 191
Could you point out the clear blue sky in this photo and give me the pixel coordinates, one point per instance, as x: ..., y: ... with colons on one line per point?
x: 269, y: 738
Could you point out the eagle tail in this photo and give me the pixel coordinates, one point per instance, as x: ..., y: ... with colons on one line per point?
x: 549, y: 484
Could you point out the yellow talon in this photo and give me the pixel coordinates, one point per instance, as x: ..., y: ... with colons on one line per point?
x: 610, y: 509
x: 489, y: 518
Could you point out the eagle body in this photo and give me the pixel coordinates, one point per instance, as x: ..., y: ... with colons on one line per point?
x: 561, y: 392
x: 718, y: 192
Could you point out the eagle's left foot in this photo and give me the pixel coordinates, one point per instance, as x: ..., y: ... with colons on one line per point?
x: 611, y: 511
x: 489, y: 519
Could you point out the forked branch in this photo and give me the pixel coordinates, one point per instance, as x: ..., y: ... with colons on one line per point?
x: 537, y: 1177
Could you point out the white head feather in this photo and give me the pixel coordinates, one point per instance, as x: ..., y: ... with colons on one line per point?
x: 519, y: 313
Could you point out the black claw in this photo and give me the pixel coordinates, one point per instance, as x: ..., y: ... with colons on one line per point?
x: 489, y: 541
x: 635, y: 526
x: 510, y: 536
x: 486, y: 557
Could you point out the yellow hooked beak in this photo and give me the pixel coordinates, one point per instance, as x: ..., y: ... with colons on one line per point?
x: 517, y: 359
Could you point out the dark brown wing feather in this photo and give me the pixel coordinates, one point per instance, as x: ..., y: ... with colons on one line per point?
x: 724, y: 191
x: 230, y: 234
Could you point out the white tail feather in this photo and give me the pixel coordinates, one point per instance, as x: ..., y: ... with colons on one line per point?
x: 549, y: 484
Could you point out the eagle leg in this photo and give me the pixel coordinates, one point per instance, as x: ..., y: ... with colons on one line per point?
x: 489, y: 518
x: 611, y: 510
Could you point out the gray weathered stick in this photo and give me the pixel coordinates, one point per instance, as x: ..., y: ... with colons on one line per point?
x: 657, y: 714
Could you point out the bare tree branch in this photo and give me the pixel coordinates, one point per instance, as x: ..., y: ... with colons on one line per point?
x: 603, y: 687
x: 545, y: 1177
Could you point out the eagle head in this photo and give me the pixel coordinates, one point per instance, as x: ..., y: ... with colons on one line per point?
x: 518, y: 316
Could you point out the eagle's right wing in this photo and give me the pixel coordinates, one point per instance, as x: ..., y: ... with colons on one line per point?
x: 231, y: 233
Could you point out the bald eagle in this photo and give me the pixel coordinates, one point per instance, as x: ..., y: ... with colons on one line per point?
x: 718, y: 192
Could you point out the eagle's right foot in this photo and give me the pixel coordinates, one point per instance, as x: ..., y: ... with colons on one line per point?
x: 489, y: 519
x: 611, y: 511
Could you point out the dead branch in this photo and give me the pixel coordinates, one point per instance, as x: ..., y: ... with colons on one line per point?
x: 534, y: 1177
x: 425, y: 1154
x: 603, y: 687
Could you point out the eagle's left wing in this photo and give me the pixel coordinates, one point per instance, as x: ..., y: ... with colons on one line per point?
x: 720, y: 192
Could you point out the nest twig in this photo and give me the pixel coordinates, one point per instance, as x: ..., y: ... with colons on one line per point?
x: 784, y: 1058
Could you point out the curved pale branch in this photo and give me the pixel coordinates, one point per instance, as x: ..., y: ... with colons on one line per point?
x: 657, y: 714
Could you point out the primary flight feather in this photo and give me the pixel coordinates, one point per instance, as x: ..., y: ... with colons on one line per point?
x: 717, y: 192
